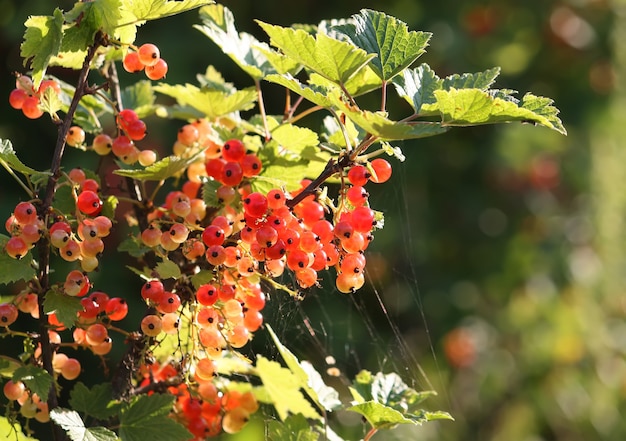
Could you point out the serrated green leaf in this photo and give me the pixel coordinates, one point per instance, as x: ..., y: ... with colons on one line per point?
x: 160, y: 170
x: 284, y: 389
x: 284, y: 171
x: 7, y: 155
x: 389, y: 38
x: 362, y: 82
x: 50, y: 102
x: 209, y: 195
x: 315, y: 94
x: 324, y: 396
x: 202, y: 278
x: 293, y: 138
x: 167, y: 270
x: 294, y: 428
x: 63, y: 306
x: 42, y: 40
x: 479, y: 80
x: 382, y: 127
x: 14, y: 270
x: 139, y: 97
x: 36, y: 379
x: 335, y: 60
x: 244, y: 49
x: 417, y: 86
x: 109, y: 205
x: 146, y: 419
x: 12, y: 431
x: 96, y: 402
x: 212, y: 103
x: 73, y: 424
x: 381, y: 416
x: 467, y: 107
x: 145, y: 10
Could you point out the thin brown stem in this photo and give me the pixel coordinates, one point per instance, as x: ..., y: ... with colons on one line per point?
x: 43, y: 245
x: 259, y: 92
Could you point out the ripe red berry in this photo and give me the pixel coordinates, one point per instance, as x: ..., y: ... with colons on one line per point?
x: 157, y: 71
x: 75, y: 136
x: 255, y: 204
x: 16, y: 247
x: 358, y: 175
x: 382, y: 170
x: 30, y: 108
x: 232, y: 174
x: 17, y: 98
x: 148, y: 54
x: 25, y: 213
x: 8, y: 314
x: 251, y: 165
x: 132, y: 63
x: 233, y: 150
x: 89, y: 203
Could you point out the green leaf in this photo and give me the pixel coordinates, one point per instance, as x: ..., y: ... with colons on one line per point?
x: 294, y: 428
x: 212, y: 103
x: 418, y: 86
x: 12, y: 431
x: 167, y: 270
x: 209, y: 195
x: 133, y: 246
x: 8, y: 366
x: 36, y: 379
x: 293, y: 138
x: 377, y: 124
x: 109, y: 205
x: 63, y: 306
x: 145, y: 10
x: 64, y: 199
x: 8, y: 156
x: 160, y: 170
x: 324, y: 396
x: 284, y: 170
x: 14, y: 270
x: 50, y: 102
x: 335, y: 60
x: 96, y: 402
x: 244, y: 49
x: 362, y: 82
x: 283, y: 387
x: 479, y: 80
x: 202, y: 278
x: 467, y: 107
x: 315, y: 94
x: 389, y: 38
x: 73, y: 424
x: 379, y: 415
x: 139, y: 97
x: 42, y: 40
x: 146, y: 419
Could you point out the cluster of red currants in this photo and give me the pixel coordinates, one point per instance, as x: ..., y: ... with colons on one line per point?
x: 147, y: 58
x: 201, y: 406
x: 25, y: 98
x: 31, y: 405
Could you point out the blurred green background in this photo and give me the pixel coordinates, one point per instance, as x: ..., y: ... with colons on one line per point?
x: 499, y: 278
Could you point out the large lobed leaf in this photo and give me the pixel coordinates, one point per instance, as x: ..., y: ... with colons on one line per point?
x: 73, y: 424
x: 335, y: 60
x: 211, y: 103
x: 42, y: 40
x: 396, y: 47
x: 257, y: 59
x: 145, y: 418
x: 63, y: 306
x: 36, y: 379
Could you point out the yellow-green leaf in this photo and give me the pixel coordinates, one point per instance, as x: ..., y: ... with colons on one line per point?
x: 42, y: 40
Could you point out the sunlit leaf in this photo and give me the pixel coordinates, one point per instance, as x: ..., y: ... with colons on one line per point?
x: 284, y: 389
x: 168, y: 270
x: 418, y: 86
x: 73, y: 424
x: 335, y: 60
x: 294, y: 138
x: 212, y: 103
x: 244, y: 49
x: 145, y: 10
x: 317, y: 95
x: 389, y: 38
x: 42, y: 40
x: 479, y: 80
x: 209, y: 195
x: 8, y: 366
x: 160, y: 170
x: 13, y: 431
x: 466, y: 107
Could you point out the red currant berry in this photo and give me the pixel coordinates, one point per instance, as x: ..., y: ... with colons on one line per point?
x: 89, y: 203
x: 382, y: 170
x: 132, y: 63
x: 233, y: 150
x: 157, y: 71
x: 148, y: 54
x: 358, y: 175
